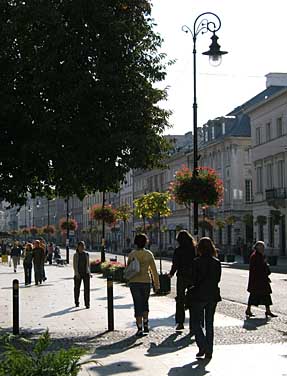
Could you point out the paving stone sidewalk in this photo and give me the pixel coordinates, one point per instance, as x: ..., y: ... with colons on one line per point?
x: 51, y: 306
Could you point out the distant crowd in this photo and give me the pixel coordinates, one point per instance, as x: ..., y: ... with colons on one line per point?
x: 34, y: 254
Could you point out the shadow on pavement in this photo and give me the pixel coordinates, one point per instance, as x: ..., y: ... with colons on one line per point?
x: 115, y: 297
x: 169, y: 345
x: 254, y: 323
x: 123, y: 306
x: 117, y: 347
x: 64, y: 311
x: 162, y: 321
x: 114, y: 368
x: 196, y: 368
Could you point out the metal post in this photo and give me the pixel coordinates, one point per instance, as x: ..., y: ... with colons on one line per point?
x: 68, y: 234
x: 48, y: 222
x: 110, y: 303
x: 15, y: 306
x: 103, y: 256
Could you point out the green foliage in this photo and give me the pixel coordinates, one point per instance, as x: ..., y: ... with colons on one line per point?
x: 79, y: 100
x: 39, y: 361
x: 153, y: 204
x: 261, y: 220
x: 205, y: 187
x: 220, y: 223
x: 124, y: 212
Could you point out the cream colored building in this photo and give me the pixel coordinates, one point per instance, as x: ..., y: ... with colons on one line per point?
x: 268, y: 119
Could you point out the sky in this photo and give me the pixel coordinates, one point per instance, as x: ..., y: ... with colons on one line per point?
x: 254, y: 32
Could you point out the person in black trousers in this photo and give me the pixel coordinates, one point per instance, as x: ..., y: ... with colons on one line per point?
x: 81, y: 266
x: 182, y: 264
x: 204, y: 295
x: 27, y: 263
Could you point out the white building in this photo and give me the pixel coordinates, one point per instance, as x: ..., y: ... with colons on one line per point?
x: 268, y: 117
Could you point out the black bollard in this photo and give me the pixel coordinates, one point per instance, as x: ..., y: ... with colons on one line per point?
x: 15, y: 306
x: 110, y: 303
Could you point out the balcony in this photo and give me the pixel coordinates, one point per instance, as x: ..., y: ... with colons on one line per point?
x: 276, y: 197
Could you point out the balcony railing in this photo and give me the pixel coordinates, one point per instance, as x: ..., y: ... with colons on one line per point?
x: 276, y: 194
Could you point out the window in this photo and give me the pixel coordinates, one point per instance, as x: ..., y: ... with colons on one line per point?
x: 212, y: 133
x: 279, y: 126
x: 259, y: 185
x: 258, y: 136
x: 223, y: 128
x: 248, y: 190
x: 227, y: 155
x: 247, y: 155
x: 269, y: 176
x: 268, y: 132
x: 227, y: 192
x: 280, y: 173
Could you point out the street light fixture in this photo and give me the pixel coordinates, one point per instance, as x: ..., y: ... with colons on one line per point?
x: 202, y: 25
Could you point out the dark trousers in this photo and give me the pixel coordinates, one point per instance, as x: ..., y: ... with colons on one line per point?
x: 77, y: 285
x: 140, y: 292
x: 38, y: 271
x: 203, y: 314
x: 181, y: 286
x: 28, y: 274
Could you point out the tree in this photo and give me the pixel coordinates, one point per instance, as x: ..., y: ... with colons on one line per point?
x: 124, y: 213
x: 79, y: 106
x: 154, y: 205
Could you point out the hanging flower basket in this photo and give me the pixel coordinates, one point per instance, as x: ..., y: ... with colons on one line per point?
x: 205, y: 188
x: 49, y: 229
x: 33, y: 230
x: 71, y: 224
x: 25, y: 231
x: 106, y: 213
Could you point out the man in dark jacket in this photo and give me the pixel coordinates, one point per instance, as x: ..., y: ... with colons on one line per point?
x: 15, y: 255
x: 81, y: 265
x: 205, y: 295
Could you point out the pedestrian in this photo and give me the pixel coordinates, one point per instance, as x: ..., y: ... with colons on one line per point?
x: 44, y: 249
x: 27, y: 263
x: 81, y: 265
x: 38, y: 261
x: 204, y: 295
x: 140, y: 284
x: 15, y: 255
x: 259, y: 281
x: 50, y: 250
x: 182, y: 264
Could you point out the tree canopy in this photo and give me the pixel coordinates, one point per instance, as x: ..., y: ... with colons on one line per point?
x: 79, y: 102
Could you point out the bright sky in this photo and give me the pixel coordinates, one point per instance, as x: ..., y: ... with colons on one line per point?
x: 254, y: 32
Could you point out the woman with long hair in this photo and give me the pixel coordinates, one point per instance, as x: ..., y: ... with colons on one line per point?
x: 205, y: 295
x: 182, y: 263
x: 259, y: 282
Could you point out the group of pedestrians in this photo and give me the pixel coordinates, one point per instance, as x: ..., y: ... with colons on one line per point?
x: 34, y: 255
x: 198, y: 273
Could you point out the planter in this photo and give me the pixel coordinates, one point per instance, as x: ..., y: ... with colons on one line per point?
x: 119, y: 275
x: 221, y: 257
x: 95, y: 268
x: 230, y: 258
x: 272, y: 260
x: 164, y: 281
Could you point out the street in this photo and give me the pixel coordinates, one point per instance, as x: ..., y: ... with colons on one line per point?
x: 237, y: 341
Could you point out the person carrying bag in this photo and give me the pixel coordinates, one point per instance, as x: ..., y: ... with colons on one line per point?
x: 140, y: 263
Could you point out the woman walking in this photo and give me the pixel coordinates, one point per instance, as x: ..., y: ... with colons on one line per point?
x: 81, y: 265
x: 205, y: 295
x: 259, y: 282
x: 38, y: 261
x: 27, y: 263
x: 15, y: 255
x: 140, y: 284
x: 182, y: 264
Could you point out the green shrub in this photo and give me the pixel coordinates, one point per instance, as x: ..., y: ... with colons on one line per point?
x: 23, y: 358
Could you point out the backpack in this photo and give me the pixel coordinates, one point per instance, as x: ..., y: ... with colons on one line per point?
x: 132, y: 269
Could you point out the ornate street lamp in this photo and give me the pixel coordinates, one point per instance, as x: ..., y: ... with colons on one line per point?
x: 202, y: 25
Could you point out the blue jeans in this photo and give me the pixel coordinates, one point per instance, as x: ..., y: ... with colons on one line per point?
x: 203, y: 314
x: 140, y: 293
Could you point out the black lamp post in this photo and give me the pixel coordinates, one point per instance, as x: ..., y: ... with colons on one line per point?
x: 202, y: 25
x: 68, y: 233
